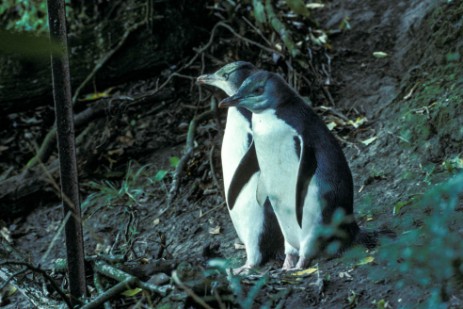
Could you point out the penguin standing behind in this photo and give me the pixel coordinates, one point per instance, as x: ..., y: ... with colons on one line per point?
x: 303, y: 170
x: 256, y: 226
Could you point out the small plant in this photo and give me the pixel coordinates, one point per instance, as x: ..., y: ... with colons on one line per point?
x: 244, y: 299
x: 130, y: 190
x: 108, y: 192
x: 161, y: 174
x: 430, y: 255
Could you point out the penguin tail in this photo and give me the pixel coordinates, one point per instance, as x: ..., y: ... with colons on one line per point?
x: 370, y: 238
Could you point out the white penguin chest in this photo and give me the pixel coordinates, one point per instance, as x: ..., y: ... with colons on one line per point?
x: 276, y: 153
x: 234, y: 144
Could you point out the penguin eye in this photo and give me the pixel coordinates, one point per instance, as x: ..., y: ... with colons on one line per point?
x: 259, y: 90
x: 226, y: 76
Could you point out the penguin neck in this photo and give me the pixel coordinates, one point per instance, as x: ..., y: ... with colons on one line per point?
x: 298, y: 114
x: 245, y: 113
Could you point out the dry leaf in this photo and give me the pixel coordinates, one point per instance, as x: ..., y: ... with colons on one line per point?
x: 345, y: 274
x: 358, y: 122
x: 311, y: 6
x: 331, y: 125
x: 380, y: 54
x: 239, y: 246
x: 370, y: 140
x: 365, y: 260
x: 305, y: 272
x: 156, y: 221
x: 132, y: 292
x: 214, y: 230
x: 6, y: 234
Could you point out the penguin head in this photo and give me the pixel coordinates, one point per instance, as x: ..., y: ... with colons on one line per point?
x: 228, y: 78
x: 259, y: 92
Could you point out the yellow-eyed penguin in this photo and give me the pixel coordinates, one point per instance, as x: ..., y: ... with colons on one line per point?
x: 256, y: 225
x: 303, y: 170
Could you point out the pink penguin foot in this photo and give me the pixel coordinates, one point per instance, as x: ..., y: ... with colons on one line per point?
x: 290, y: 262
x: 243, y: 270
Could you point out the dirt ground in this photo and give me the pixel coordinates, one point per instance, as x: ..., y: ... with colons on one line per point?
x: 130, y: 216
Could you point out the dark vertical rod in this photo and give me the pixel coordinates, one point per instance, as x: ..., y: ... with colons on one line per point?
x: 66, y: 150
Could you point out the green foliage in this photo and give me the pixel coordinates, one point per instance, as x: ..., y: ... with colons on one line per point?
x: 107, y: 193
x: 244, y: 299
x: 25, y: 15
x: 161, y: 174
x: 130, y: 190
x: 429, y: 254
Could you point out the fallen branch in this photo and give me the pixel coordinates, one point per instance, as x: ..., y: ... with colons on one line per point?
x: 126, y: 281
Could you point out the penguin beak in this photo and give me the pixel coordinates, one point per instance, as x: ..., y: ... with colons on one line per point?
x: 230, y: 101
x: 203, y: 79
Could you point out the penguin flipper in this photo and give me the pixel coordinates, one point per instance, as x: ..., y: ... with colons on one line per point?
x: 307, y: 167
x: 247, y: 167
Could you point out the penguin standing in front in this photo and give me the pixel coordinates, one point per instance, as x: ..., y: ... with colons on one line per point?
x: 256, y: 226
x: 304, y: 173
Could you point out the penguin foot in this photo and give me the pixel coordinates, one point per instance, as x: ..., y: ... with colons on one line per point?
x: 290, y: 262
x: 243, y: 270
x: 302, y: 263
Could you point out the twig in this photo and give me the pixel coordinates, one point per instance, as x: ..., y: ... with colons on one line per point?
x: 120, y: 275
x: 189, y: 291
x: 249, y: 41
x: 110, y: 293
x: 55, y: 237
x: 186, y: 156
x: 44, y: 274
x: 213, y: 209
x: 280, y: 28
x: 258, y: 31
x: 99, y: 288
x: 105, y: 59
x: 45, y: 147
x: 11, y: 277
x: 211, y: 164
x: 91, y: 113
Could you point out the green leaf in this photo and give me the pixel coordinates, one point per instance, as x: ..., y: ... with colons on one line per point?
x: 380, y: 54
x: 160, y: 175
x: 259, y: 12
x: 174, y: 161
x: 453, y: 57
x: 399, y: 205
x: 365, y: 260
x: 132, y: 292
